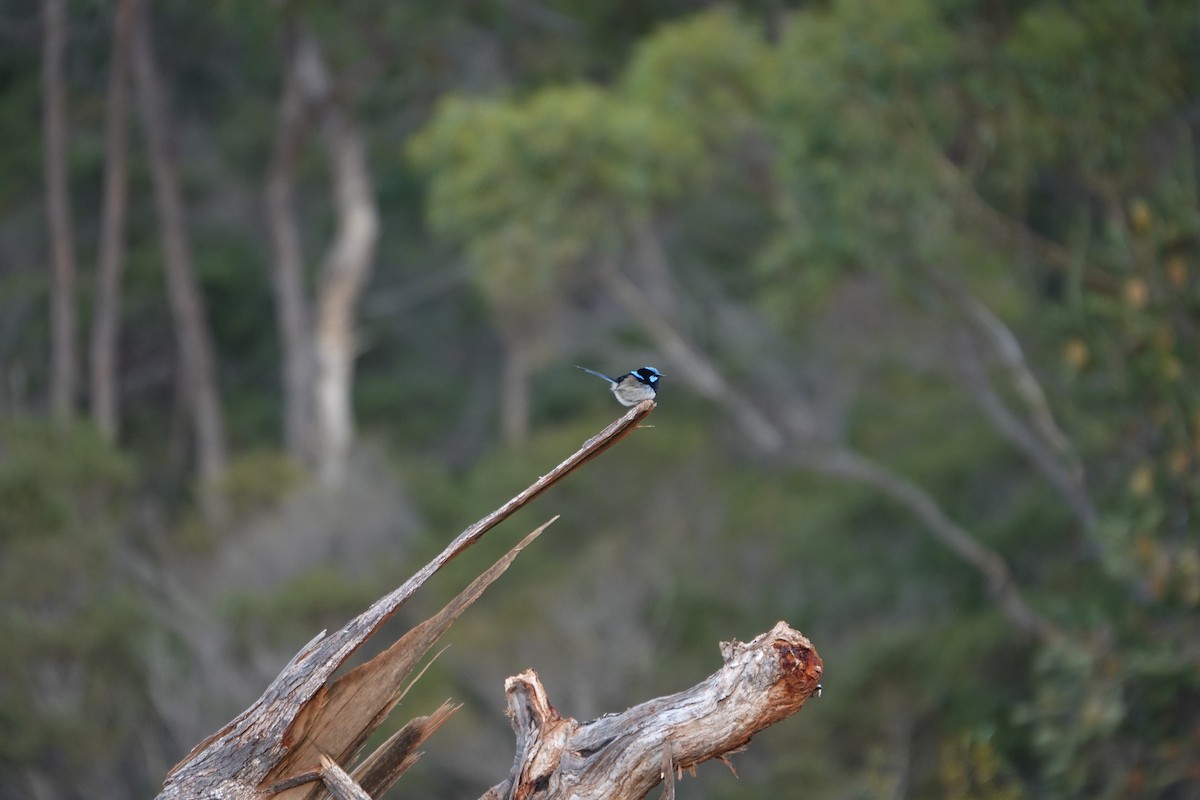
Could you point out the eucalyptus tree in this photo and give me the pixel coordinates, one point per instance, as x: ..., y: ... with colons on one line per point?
x: 539, y: 191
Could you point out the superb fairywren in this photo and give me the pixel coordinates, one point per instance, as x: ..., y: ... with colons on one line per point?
x: 632, y: 387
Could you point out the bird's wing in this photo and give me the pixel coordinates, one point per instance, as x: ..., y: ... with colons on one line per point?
x: 597, y: 374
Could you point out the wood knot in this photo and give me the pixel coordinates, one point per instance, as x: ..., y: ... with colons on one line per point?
x: 800, y: 665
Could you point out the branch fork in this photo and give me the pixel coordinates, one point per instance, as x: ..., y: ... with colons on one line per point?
x: 626, y: 755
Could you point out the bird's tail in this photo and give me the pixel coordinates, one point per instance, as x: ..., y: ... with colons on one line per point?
x: 597, y: 374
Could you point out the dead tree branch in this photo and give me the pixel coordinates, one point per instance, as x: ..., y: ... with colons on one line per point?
x: 277, y: 746
x: 626, y: 755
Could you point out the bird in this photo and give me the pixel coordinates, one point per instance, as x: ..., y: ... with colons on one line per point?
x: 632, y: 387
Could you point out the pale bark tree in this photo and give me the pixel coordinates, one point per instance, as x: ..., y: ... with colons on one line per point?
x: 319, y: 363
x: 111, y: 261
x: 64, y: 358
x: 194, y: 341
x: 344, y: 273
x: 514, y: 391
x: 292, y: 310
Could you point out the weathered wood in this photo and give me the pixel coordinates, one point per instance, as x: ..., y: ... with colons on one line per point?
x: 235, y: 762
x: 339, y: 782
x: 298, y: 740
x: 626, y: 755
x: 343, y: 715
x: 380, y: 771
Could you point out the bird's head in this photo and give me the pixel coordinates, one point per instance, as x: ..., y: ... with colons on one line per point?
x: 648, y: 375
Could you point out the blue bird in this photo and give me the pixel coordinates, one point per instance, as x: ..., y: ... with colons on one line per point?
x: 632, y: 387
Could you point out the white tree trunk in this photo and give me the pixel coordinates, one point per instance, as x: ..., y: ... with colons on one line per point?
x: 111, y: 262
x: 346, y: 267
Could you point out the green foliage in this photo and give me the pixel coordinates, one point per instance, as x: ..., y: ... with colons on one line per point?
x: 1078, y: 703
x: 1126, y: 338
x: 712, y: 69
x: 1088, y: 78
x: 255, y: 482
x: 532, y: 187
x: 1042, y: 152
x: 21, y: 158
x: 73, y: 634
x: 859, y: 126
x: 253, y: 485
x: 972, y: 769
x: 317, y: 599
x: 52, y: 484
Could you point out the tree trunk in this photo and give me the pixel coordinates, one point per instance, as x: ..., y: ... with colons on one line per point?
x: 187, y: 304
x: 346, y: 266
x: 111, y: 262
x: 64, y: 360
x: 287, y: 266
x: 514, y: 390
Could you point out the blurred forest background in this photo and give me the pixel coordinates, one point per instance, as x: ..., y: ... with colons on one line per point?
x: 290, y: 293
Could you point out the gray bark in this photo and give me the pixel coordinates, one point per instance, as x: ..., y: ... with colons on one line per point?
x: 64, y: 359
x: 196, y: 358
x: 292, y: 310
x: 111, y: 262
